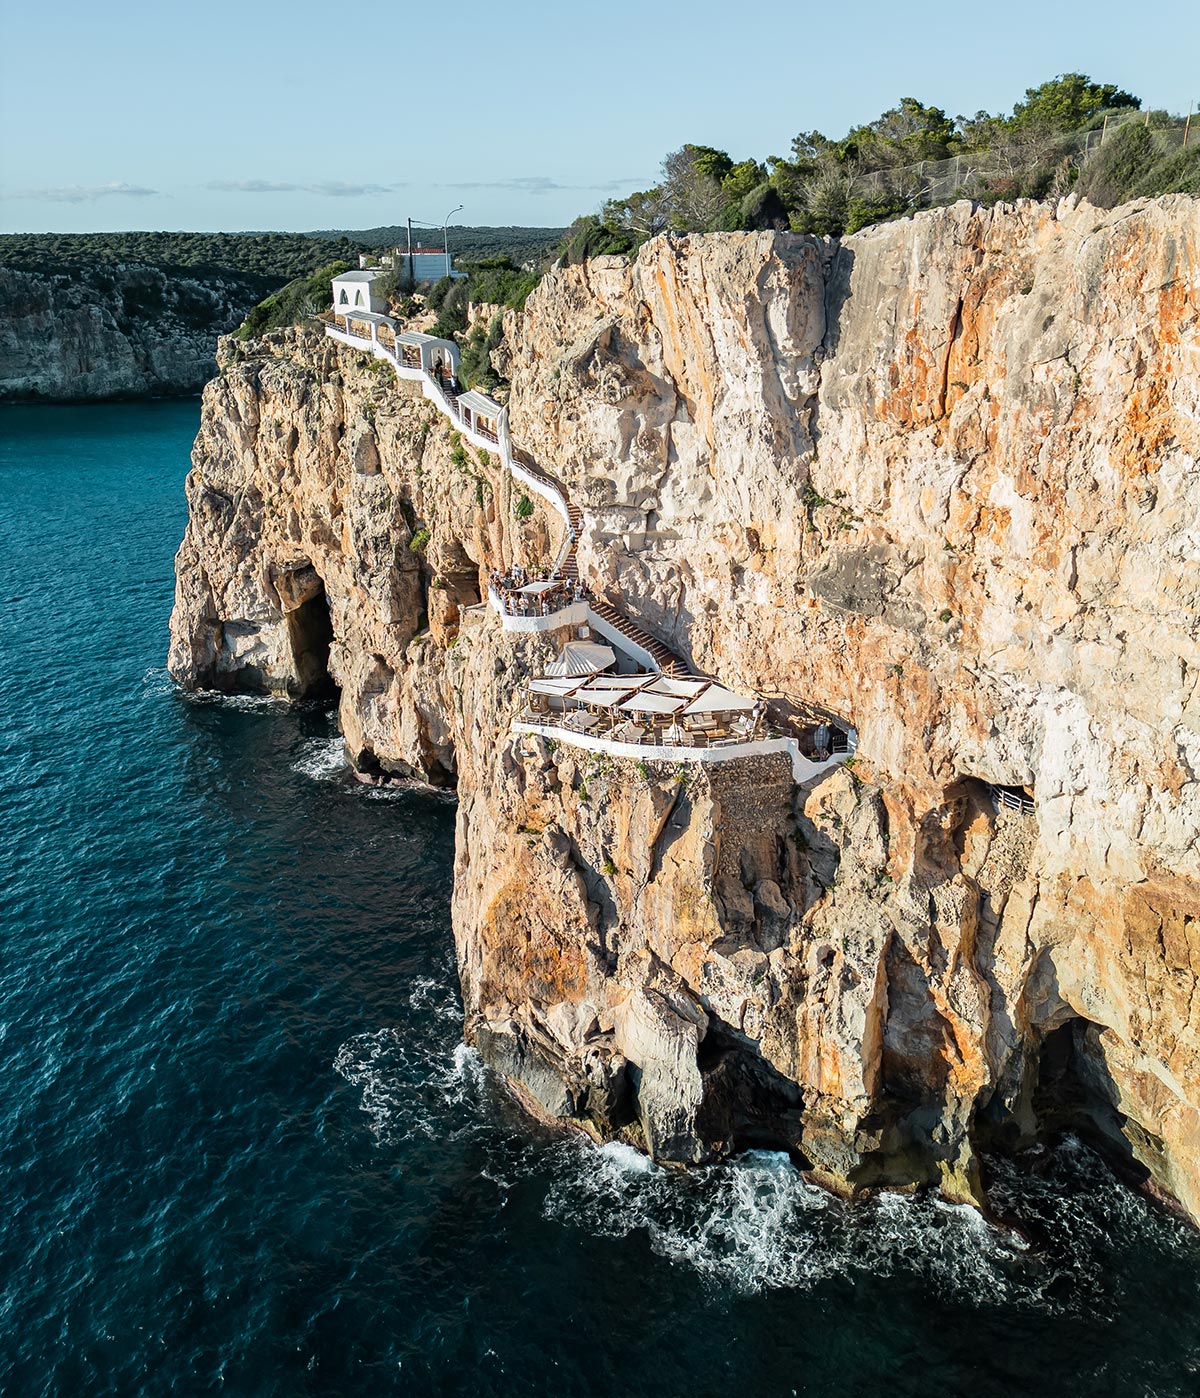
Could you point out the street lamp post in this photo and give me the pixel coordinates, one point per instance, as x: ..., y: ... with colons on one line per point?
x: 446, y: 235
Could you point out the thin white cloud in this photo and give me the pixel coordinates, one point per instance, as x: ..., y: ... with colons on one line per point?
x: 337, y: 189
x: 535, y: 184
x: 253, y: 186
x: 84, y: 193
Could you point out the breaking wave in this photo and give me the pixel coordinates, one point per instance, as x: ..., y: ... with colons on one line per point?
x: 752, y: 1224
x: 322, y: 759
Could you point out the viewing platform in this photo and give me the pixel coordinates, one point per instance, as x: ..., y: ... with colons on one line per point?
x: 658, y: 712
x: 537, y: 601
x: 675, y: 718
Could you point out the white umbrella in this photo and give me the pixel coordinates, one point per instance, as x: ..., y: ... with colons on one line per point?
x: 582, y: 658
x: 717, y: 699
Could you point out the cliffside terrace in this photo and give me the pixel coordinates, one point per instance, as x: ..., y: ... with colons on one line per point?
x: 543, y: 595
x: 668, y: 717
x: 659, y: 712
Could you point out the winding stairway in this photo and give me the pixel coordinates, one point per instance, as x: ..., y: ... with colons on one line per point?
x: 567, y: 564
x: 607, y: 620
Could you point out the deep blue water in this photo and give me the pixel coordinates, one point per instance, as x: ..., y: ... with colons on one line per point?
x: 242, y: 1150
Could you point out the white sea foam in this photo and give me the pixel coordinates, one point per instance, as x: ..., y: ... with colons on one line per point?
x: 438, y: 997
x: 400, y: 788
x: 158, y: 681
x: 239, y: 703
x: 412, y: 1086
x: 755, y: 1223
x: 750, y: 1224
x: 626, y: 1158
x: 322, y: 759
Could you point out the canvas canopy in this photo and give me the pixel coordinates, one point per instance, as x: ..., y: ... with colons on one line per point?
x: 414, y: 337
x: 647, y: 702
x: 553, y: 686
x: 582, y: 658
x: 599, y: 698
x: 479, y: 403
x: 532, y: 589
x: 681, y: 688
x: 717, y: 699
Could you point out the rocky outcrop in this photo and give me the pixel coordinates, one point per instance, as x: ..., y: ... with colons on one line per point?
x: 941, y: 479
x: 81, y: 334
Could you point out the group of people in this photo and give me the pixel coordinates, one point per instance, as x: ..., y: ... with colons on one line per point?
x: 560, y: 593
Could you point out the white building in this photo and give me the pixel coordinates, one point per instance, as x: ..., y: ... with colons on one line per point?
x: 423, y: 265
x: 355, y: 291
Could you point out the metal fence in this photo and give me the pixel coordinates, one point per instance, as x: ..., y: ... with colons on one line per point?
x: 965, y: 176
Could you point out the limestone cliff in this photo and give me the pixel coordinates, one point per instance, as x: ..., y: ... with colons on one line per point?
x: 82, y: 334
x: 940, y: 478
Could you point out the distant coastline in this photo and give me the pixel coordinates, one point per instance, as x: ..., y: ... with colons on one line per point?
x: 107, y: 333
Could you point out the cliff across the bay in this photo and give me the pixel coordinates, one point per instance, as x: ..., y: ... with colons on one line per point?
x: 940, y: 479
x: 85, y: 334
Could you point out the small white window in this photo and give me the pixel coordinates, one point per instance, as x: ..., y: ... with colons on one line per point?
x: 358, y: 298
x: 342, y: 299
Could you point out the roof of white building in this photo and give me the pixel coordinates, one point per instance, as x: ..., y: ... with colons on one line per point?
x: 358, y: 313
x: 478, y: 402
x: 415, y: 337
x: 367, y: 274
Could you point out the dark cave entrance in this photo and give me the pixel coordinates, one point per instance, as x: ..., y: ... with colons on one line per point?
x: 748, y: 1104
x: 1074, y: 1093
x: 310, y: 632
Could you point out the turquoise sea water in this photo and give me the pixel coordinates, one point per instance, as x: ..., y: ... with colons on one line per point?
x: 242, y: 1149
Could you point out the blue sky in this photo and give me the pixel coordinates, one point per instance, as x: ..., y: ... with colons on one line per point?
x: 265, y: 115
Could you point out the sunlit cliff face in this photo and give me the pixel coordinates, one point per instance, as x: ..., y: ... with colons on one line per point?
x: 942, y: 480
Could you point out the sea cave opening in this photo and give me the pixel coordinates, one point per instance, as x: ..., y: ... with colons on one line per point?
x: 310, y: 632
x: 1074, y: 1093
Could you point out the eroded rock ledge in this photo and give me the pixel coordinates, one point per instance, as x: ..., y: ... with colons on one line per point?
x: 942, y: 479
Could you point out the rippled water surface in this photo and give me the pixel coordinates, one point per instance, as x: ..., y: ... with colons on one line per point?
x: 242, y: 1149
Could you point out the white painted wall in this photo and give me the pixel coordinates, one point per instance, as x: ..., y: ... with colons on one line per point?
x: 359, y: 295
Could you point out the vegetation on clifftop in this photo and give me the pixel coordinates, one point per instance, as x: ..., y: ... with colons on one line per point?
x: 275, y: 257
x: 303, y: 297
x: 1069, y: 133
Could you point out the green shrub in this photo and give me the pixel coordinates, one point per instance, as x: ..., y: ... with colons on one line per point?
x: 303, y: 297
x: 1117, y: 165
x: 420, y: 540
x: 523, y: 508
x: 476, y: 367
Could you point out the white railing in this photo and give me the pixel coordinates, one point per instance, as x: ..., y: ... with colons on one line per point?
x: 804, y: 769
x: 622, y: 641
x: 574, y: 613
x: 547, y: 491
x: 577, y: 612
x: 449, y: 409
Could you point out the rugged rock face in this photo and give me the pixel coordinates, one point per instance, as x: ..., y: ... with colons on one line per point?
x: 82, y: 334
x: 941, y: 479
